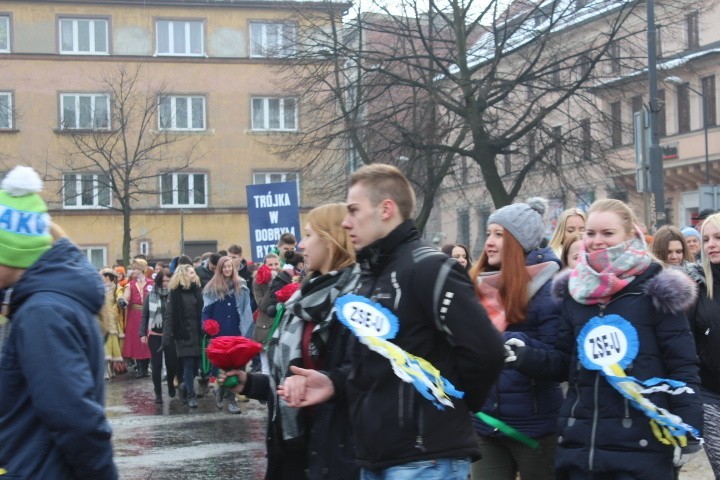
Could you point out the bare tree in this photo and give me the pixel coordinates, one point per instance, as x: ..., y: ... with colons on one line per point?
x: 124, y: 150
x: 514, y: 89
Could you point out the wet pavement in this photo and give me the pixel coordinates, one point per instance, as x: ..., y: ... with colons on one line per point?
x: 171, y: 441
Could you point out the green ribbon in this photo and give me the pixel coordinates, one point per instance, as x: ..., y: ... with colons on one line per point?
x: 276, y: 322
x: 507, y: 430
x: 205, y: 362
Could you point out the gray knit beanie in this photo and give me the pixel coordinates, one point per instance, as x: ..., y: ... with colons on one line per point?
x: 524, y: 221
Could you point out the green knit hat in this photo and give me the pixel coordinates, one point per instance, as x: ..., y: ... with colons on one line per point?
x: 24, y: 221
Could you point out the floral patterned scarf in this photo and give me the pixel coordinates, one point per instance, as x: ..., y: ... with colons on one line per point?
x: 600, y: 275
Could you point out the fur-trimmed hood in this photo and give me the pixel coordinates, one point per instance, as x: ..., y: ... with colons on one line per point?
x: 671, y: 290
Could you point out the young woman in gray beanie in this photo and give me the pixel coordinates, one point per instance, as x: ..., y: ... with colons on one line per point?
x: 513, y: 278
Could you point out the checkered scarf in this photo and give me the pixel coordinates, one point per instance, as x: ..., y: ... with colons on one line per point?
x: 314, y: 302
x: 600, y: 275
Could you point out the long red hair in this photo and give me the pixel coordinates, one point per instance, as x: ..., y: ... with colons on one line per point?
x: 513, y: 281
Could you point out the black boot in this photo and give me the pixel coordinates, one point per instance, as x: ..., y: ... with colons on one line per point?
x: 142, y: 368
x: 158, y: 397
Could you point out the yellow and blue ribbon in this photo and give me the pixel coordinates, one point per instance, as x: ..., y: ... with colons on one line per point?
x: 609, y: 344
x: 374, y: 325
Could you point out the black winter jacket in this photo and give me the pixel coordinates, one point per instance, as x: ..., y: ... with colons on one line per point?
x: 440, y: 321
x: 705, y: 323
x: 600, y: 431
x: 327, y: 450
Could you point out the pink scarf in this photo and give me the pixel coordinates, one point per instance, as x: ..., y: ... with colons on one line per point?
x: 601, y: 274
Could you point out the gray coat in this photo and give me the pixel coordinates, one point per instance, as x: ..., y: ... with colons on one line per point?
x: 182, y: 321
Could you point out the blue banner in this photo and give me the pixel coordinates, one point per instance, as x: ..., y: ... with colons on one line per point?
x: 273, y: 209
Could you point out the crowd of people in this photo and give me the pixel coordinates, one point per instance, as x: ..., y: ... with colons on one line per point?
x: 589, y: 355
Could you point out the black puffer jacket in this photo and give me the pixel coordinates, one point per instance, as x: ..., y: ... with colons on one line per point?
x: 181, y: 324
x: 440, y: 321
x: 705, y: 323
x: 600, y: 431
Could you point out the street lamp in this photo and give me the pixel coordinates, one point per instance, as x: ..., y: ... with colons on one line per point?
x: 679, y: 82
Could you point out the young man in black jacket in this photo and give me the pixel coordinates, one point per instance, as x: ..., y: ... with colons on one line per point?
x: 398, y: 433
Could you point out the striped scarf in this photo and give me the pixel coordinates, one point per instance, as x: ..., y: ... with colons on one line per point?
x: 601, y: 274
x: 314, y: 302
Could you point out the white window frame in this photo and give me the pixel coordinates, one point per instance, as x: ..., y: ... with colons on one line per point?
x: 7, y: 47
x: 174, y: 101
x: 91, y: 32
x: 88, y: 251
x: 78, y: 205
x: 94, y: 97
x: 144, y: 247
x: 262, y: 177
x: 262, y: 49
x: 8, y: 115
x: 264, y: 123
x: 191, y: 190
x: 183, y: 27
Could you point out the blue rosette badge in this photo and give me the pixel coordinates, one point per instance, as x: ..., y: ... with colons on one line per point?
x: 374, y: 325
x: 610, y: 344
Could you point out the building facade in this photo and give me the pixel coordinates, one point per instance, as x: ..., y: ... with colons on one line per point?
x: 688, y: 48
x: 181, y: 97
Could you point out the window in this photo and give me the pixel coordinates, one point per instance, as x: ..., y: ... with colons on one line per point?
x: 96, y: 255
x: 708, y: 96
x: 463, y: 226
x: 662, y: 123
x: 276, y: 177
x: 83, y: 36
x: 85, y: 111
x: 86, y: 190
x: 658, y: 42
x: 4, y: 33
x: 636, y: 103
x: 580, y: 4
x: 179, y: 37
x: 683, y: 108
x: 144, y: 247
x: 531, y: 145
x: 586, y: 139
x: 507, y: 162
x: 557, y: 144
x: 274, y: 114
x: 181, y: 113
x: 6, y: 111
x: 614, y: 53
x: 183, y: 190
x: 616, y: 124
x: 272, y: 39
x: 693, y: 30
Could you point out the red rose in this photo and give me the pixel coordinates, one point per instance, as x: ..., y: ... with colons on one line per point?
x: 211, y: 327
x: 229, y: 353
x: 284, y: 294
x: 263, y: 275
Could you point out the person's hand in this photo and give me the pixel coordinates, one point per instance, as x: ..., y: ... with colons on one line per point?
x: 122, y: 303
x: 312, y: 388
x: 223, y: 376
x: 512, y: 346
x: 683, y: 455
x: 143, y: 339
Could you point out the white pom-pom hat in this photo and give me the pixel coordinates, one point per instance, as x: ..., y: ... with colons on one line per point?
x: 24, y: 221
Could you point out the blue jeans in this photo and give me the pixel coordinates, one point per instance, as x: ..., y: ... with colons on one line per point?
x: 440, y: 469
x: 190, y: 367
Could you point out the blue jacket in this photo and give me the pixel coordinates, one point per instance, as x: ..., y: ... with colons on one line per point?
x: 527, y: 404
x: 52, y: 419
x: 234, y: 315
x: 599, y: 430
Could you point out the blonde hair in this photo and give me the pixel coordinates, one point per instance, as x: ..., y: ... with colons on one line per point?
x: 181, y: 278
x: 218, y: 286
x: 627, y: 217
x: 382, y: 182
x: 326, y: 221
x: 558, y: 236
x: 715, y: 220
